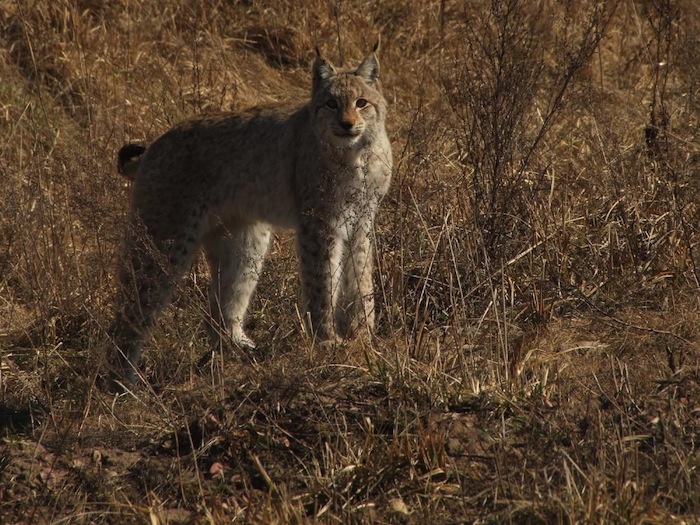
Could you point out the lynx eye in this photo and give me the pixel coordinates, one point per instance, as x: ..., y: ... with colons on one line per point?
x: 361, y: 102
x: 332, y: 104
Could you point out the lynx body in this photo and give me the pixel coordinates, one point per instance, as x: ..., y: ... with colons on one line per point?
x: 223, y: 183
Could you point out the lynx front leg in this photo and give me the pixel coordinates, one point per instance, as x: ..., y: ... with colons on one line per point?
x: 320, y: 257
x: 356, y: 302
x: 235, y: 256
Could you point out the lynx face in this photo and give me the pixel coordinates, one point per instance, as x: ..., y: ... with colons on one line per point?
x: 347, y: 106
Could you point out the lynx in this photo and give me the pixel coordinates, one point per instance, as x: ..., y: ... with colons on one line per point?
x: 221, y: 184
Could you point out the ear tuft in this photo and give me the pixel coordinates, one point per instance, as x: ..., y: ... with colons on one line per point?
x: 322, y: 70
x: 369, y: 68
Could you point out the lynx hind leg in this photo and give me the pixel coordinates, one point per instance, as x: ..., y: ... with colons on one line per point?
x: 235, y: 256
x: 147, y: 277
x: 355, y: 307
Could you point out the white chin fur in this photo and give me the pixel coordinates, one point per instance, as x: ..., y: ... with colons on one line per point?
x: 344, y: 141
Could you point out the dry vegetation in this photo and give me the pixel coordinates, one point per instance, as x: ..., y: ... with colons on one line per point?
x: 537, y: 357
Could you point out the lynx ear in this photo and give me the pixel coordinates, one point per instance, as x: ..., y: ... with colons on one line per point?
x: 369, y: 69
x: 322, y: 70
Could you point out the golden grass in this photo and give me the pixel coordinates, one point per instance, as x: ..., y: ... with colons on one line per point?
x: 536, y: 359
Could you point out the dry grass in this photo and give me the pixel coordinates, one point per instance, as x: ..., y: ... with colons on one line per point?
x: 537, y: 354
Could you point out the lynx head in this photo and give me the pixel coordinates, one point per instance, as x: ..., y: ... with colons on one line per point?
x: 348, y: 109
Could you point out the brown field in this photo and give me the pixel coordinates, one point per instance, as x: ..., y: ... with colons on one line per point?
x: 537, y: 357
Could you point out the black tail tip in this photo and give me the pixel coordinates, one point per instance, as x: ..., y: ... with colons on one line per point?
x: 127, y: 155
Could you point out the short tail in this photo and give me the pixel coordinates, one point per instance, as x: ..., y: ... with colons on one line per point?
x: 129, y: 158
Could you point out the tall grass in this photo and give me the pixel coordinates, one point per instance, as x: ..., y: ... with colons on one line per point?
x: 537, y: 270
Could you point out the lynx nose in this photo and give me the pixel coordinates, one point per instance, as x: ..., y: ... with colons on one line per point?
x: 346, y: 125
